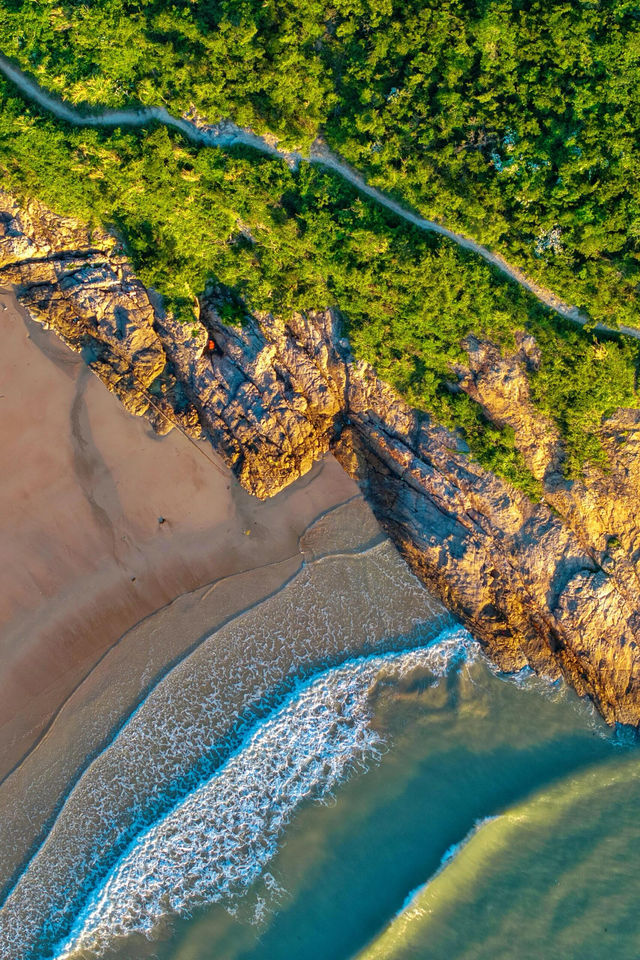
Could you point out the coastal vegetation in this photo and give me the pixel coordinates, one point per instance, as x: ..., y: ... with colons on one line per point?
x: 514, y: 121
x: 269, y: 238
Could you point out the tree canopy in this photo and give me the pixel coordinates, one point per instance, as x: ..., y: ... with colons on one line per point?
x: 512, y: 120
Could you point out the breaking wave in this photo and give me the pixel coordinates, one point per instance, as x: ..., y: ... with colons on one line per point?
x: 217, y: 841
x: 197, y: 716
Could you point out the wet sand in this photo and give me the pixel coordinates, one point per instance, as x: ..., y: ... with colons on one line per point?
x: 104, y: 607
x: 350, y: 598
x: 33, y: 793
x: 83, y: 553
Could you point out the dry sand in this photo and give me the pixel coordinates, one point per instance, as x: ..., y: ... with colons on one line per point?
x: 82, y: 552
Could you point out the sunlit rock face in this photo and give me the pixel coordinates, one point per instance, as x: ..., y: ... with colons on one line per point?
x: 554, y: 584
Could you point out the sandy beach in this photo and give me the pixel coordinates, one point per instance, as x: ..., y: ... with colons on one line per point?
x: 128, y: 558
x: 103, y: 523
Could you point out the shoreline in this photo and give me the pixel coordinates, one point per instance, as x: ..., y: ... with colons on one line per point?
x: 85, y: 555
x: 106, y: 698
x: 352, y: 596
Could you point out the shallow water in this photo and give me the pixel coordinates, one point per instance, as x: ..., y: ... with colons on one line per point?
x: 543, y: 794
x: 353, y: 782
x: 336, y: 607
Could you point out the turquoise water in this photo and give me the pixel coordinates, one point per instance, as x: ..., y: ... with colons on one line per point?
x: 353, y: 782
x: 437, y: 749
x: 170, y: 815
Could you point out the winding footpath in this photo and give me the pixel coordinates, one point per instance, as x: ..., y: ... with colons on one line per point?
x: 227, y: 134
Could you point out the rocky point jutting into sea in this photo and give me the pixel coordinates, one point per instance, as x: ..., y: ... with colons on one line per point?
x: 552, y: 585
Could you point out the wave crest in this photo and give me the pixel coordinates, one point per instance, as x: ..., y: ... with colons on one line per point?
x: 215, y: 844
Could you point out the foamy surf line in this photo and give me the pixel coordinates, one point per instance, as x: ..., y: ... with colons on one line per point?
x: 196, y: 718
x: 214, y: 845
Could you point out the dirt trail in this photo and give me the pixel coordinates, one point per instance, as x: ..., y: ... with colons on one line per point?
x: 227, y: 134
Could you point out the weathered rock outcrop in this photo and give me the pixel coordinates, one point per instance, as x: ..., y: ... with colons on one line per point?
x: 78, y: 282
x: 553, y: 585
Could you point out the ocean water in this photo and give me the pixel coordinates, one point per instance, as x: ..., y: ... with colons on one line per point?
x: 498, y: 819
x: 340, y: 605
x: 378, y: 795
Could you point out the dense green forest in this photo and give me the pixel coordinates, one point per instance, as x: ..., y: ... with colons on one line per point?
x: 514, y: 121
x: 275, y: 239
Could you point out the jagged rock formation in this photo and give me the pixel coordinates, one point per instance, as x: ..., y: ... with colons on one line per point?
x: 553, y: 585
x: 79, y: 283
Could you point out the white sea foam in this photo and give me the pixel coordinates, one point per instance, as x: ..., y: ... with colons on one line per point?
x: 195, y: 718
x: 215, y: 843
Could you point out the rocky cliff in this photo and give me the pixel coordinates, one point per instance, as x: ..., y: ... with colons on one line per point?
x: 553, y: 585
